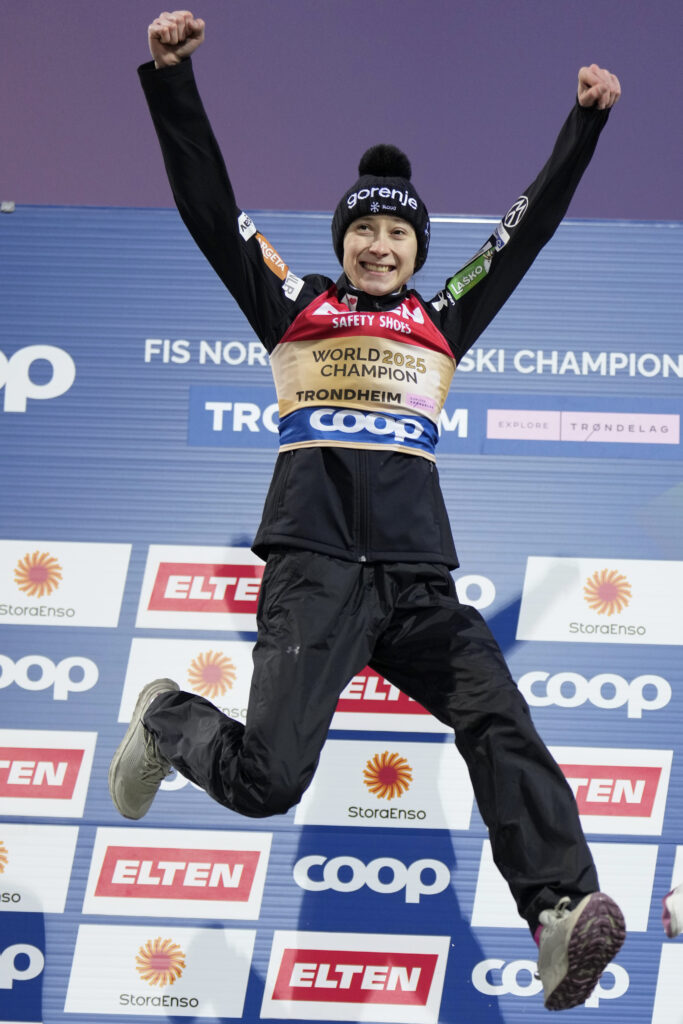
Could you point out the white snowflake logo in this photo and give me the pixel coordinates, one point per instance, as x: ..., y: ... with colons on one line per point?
x: 374, y: 207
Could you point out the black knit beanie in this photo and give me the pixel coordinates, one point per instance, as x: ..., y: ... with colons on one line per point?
x: 383, y: 188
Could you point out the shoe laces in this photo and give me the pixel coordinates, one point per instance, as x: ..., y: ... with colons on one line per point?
x: 155, y: 767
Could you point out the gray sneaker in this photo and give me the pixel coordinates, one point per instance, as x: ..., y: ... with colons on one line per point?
x: 575, y: 947
x: 137, y: 769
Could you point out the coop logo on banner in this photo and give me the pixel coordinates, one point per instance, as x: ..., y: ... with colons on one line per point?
x: 160, y: 970
x: 497, y: 977
x: 178, y: 873
x: 618, y: 790
x: 606, y: 690
x: 323, y: 976
x: 602, y: 600
x: 406, y: 785
x: 45, y: 774
x: 56, y: 583
x: 626, y: 872
x: 22, y: 968
x: 424, y: 877
x: 18, y: 376
x: 219, y: 670
x: 35, y: 866
x: 370, y: 703
x: 36, y: 672
x: 200, y: 588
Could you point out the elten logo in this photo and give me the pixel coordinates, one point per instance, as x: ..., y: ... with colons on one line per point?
x: 387, y: 775
x: 160, y: 962
x: 44, y: 773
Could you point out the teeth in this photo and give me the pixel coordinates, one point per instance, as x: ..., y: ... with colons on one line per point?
x: 381, y: 268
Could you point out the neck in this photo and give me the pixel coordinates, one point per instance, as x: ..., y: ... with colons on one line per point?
x: 368, y: 303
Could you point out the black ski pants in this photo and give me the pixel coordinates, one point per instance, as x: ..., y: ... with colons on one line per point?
x: 320, y: 621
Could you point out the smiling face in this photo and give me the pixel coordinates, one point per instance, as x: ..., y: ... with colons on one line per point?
x: 379, y: 253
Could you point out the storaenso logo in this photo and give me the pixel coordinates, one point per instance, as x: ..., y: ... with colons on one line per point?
x: 395, y: 194
x: 11, y: 971
x: 383, y: 875
x: 606, y: 690
x: 495, y: 977
x: 17, y: 379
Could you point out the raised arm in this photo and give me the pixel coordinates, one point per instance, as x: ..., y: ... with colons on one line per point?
x: 476, y: 292
x: 254, y: 273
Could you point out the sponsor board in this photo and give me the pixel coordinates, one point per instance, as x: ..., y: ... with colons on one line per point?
x: 403, y: 785
x: 18, y: 386
x: 60, y: 583
x: 606, y: 690
x: 333, y: 976
x: 159, y: 970
x: 498, y: 977
x: 626, y: 872
x: 203, y: 588
x: 586, y: 427
x: 35, y: 866
x: 370, y: 702
x: 620, y: 791
x: 36, y: 672
x: 45, y: 774
x: 601, y: 600
x: 177, y: 873
x: 22, y: 967
x: 217, y: 669
x: 667, y: 1004
x: 385, y: 875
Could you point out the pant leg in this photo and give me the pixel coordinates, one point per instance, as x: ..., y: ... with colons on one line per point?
x: 443, y: 654
x: 315, y: 622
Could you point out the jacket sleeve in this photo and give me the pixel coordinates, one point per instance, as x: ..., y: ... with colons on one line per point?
x: 258, y: 279
x: 476, y: 292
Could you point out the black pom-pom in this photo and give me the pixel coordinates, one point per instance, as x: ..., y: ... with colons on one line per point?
x: 385, y: 161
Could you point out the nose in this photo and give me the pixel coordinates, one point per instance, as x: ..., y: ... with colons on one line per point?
x: 380, y: 244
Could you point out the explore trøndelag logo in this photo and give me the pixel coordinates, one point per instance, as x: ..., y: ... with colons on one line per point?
x: 217, y: 669
x: 177, y: 873
x: 196, y: 972
x: 602, y: 600
x: 45, y: 774
x: 59, y: 583
x: 206, y: 588
x: 405, y: 785
x: 322, y: 976
x: 35, y: 867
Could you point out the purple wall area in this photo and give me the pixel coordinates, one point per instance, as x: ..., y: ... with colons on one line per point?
x: 474, y: 92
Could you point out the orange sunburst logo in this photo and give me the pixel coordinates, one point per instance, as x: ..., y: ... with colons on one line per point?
x: 211, y: 674
x: 387, y: 775
x: 4, y: 859
x: 607, y: 591
x: 160, y: 962
x: 38, y: 574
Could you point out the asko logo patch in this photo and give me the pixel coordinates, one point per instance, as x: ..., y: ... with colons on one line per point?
x: 326, y: 976
x: 44, y: 774
x: 200, y: 588
x: 617, y: 790
x: 177, y: 873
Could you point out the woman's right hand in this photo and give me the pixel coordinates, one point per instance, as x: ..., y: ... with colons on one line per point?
x: 173, y: 36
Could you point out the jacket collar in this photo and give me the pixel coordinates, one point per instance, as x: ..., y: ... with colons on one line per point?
x: 364, y: 303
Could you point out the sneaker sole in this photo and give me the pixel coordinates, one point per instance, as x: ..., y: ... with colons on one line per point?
x: 596, y: 938
x: 145, y: 697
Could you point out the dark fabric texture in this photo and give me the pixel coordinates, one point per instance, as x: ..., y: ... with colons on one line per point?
x: 321, y: 620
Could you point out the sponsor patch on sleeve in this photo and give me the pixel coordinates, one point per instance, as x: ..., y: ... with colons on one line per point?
x: 246, y: 226
x: 272, y: 258
x: 470, y: 275
x: 292, y: 286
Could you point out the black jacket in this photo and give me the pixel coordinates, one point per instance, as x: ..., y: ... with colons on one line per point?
x: 355, y: 477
